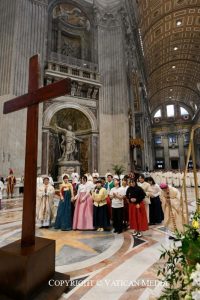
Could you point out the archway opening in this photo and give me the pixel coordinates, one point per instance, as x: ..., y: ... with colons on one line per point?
x: 81, y: 129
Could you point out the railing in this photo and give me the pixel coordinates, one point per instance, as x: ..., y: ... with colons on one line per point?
x: 67, y: 60
x: 76, y: 72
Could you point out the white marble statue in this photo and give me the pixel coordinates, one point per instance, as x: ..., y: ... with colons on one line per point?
x: 68, y: 144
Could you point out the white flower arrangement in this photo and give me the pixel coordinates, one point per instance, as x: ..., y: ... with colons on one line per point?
x: 195, y: 276
x: 196, y: 295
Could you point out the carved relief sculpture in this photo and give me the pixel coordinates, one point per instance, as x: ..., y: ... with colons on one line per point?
x: 71, y: 15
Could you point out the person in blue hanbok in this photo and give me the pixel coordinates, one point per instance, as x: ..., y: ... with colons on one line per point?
x: 64, y: 214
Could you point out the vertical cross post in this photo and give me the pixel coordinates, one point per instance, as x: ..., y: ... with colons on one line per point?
x: 30, y: 178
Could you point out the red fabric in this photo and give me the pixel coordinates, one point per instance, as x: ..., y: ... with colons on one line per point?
x: 74, y: 189
x: 138, y: 217
x: 109, y: 207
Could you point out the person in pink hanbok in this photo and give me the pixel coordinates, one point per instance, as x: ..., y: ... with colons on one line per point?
x: 83, y: 214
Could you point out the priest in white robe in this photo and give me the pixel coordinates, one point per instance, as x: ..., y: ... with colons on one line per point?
x: 45, y: 205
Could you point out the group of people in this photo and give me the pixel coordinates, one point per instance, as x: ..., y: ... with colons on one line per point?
x: 175, y: 178
x: 95, y: 203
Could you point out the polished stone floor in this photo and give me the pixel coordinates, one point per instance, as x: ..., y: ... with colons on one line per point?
x: 112, y: 266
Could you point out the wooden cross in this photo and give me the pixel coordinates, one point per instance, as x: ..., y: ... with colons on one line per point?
x: 31, y: 101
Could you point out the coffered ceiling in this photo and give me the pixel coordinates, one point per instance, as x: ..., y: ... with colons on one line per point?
x: 170, y: 31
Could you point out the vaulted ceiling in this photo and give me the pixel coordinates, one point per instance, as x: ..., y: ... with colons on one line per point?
x: 170, y: 31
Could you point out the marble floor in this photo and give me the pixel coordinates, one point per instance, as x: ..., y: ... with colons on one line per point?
x: 115, y: 266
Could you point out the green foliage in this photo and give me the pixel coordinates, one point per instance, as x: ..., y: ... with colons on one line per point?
x: 180, y: 263
x: 118, y: 169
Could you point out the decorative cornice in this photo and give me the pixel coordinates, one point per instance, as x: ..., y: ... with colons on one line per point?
x: 40, y: 2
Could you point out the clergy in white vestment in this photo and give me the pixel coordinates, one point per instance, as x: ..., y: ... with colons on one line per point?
x: 44, y: 204
x: 198, y: 177
x: 188, y: 180
x: 175, y: 179
x: 169, y: 177
x: 163, y: 177
x: 171, y: 204
x: 191, y: 178
x: 181, y: 178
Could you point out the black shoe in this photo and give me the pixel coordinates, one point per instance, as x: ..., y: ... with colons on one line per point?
x: 41, y: 227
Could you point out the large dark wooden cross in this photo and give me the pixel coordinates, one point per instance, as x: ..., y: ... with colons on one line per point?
x: 31, y: 101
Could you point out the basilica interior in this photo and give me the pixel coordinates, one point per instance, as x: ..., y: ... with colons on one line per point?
x: 133, y: 103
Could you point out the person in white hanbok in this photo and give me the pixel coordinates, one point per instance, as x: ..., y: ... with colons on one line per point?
x: 155, y: 209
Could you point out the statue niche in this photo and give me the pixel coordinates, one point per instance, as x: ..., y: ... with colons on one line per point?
x: 70, y: 135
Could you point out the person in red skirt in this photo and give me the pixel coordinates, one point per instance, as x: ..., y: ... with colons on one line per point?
x: 137, y: 213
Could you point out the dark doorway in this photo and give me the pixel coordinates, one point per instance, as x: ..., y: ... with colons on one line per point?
x: 174, y: 164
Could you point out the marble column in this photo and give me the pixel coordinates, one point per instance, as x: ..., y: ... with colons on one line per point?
x: 45, y: 152
x: 181, y: 151
x: 166, y: 152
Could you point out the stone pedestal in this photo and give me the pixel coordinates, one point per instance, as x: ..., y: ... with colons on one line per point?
x: 25, y: 272
x: 68, y: 167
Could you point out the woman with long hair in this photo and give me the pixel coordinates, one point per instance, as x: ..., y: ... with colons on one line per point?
x: 64, y: 213
x: 83, y: 214
x: 137, y: 212
x: 156, y: 215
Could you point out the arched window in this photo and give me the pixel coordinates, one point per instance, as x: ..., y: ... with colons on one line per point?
x: 170, y: 110
x: 158, y: 114
x: 183, y: 111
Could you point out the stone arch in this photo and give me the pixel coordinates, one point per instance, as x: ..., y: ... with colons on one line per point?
x: 84, y: 124
x: 55, y: 107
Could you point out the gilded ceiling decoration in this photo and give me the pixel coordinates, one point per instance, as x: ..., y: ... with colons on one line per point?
x: 170, y: 31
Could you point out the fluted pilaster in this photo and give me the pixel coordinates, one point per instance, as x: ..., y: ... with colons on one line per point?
x: 23, y: 30
x: 113, y: 102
